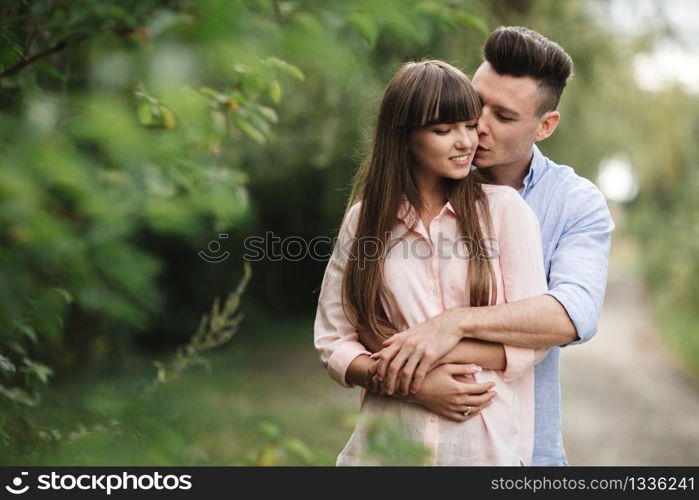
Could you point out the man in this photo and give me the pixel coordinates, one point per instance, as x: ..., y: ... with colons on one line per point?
x: 520, y: 83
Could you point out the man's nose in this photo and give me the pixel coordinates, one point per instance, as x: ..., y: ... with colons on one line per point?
x: 482, y: 126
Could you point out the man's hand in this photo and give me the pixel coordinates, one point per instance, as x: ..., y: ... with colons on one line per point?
x: 409, y: 355
x: 450, y: 391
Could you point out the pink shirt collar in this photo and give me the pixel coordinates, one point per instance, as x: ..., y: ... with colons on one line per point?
x: 408, y: 214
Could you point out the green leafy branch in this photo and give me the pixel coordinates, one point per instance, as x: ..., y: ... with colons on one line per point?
x: 215, y: 329
x: 276, y: 449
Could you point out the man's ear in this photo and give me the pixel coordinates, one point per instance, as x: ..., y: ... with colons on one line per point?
x: 547, y: 125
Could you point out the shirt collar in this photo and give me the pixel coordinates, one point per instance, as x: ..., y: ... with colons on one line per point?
x: 537, y: 167
x: 408, y: 214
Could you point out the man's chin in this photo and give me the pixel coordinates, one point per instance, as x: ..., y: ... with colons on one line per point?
x: 481, y: 164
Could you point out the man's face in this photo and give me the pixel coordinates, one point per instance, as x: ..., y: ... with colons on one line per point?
x: 509, y: 123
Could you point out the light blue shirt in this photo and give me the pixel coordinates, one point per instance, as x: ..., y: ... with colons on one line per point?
x: 576, y: 232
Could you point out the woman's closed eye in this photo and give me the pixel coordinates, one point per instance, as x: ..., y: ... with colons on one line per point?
x: 445, y: 130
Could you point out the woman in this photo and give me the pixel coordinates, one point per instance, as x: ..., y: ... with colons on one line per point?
x: 424, y: 234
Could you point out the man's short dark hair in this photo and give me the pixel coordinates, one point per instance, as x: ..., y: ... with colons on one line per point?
x: 519, y: 51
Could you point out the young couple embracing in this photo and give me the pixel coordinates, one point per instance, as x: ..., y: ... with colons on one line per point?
x: 464, y: 353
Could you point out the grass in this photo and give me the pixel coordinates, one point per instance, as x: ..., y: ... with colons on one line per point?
x: 676, y: 322
x: 266, y: 400
x: 678, y: 327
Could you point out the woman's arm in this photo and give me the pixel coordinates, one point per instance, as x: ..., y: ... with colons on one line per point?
x: 335, y: 338
x: 487, y: 355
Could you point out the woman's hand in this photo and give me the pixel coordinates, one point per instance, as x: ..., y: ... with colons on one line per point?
x: 450, y: 391
x: 409, y: 355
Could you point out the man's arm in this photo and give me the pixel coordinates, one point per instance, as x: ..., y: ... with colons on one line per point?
x: 570, y: 310
x: 578, y: 270
x: 537, y: 322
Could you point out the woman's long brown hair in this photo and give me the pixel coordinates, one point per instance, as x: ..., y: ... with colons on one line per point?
x: 420, y: 93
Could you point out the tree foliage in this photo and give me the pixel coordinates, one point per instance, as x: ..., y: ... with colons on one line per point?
x: 130, y: 133
x: 133, y: 132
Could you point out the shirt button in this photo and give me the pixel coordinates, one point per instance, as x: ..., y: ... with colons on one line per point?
x: 433, y: 419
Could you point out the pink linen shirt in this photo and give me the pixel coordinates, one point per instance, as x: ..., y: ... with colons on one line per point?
x: 425, y: 275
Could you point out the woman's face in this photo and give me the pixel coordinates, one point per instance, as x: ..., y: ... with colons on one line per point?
x: 444, y: 149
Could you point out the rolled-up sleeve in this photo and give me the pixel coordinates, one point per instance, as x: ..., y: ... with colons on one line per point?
x: 578, y: 271
x: 335, y: 338
x: 523, y: 276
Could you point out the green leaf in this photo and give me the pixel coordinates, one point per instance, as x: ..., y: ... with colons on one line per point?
x: 169, y: 121
x: 11, y: 41
x: 472, y: 22
x: 249, y: 130
x: 292, y: 70
x: 241, y: 68
x: 270, y: 430
x: 53, y: 72
x: 209, y: 92
x: 268, y: 456
x: 366, y: 26
x: 142, y: 93
x: 6, y: 365
x: 258, y: 120
x: 265, y: 6
x: 17, y: 395
x: 429, y: 8
x: 218, y: 121
x: 41, y: 371
x: 26, y: 330
x: 269, y: 113
x: 449, y: 21
x: 65, y: 294
x: 275, y: 91
x: 59, y: 321
x: 299, y: 449
x: 161, y: 376
x: 17, y: 347
x: 145, y: 113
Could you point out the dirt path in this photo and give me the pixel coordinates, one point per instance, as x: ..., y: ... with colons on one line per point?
x: 625, y: 401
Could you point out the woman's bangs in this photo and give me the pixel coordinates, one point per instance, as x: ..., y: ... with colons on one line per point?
x: 458, y: 103
x: 427, y: 93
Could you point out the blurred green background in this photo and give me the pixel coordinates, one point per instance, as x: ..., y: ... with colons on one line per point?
x: 136, y: 135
